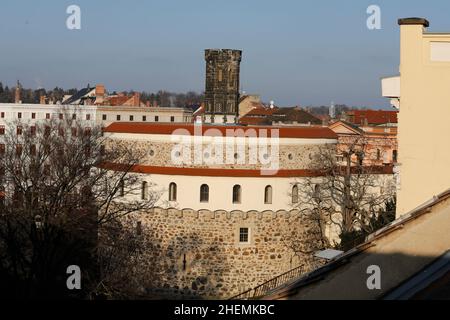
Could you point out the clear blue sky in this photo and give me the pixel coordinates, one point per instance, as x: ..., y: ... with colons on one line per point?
x: 294, y: 52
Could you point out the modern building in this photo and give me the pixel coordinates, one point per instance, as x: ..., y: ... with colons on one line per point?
x: 420, y: 90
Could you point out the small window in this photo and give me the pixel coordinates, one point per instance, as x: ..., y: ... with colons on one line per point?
x: 3, y: 114
x: 19, y: 115
x: 268, y: 195
x: 378, y: 154
x: 237, y: 194
x: 204, y: 193
x: 47, y: 116
x: 104, y: 117
x: 61, y: 116
x: 144, y: 191
x: 173, y: 192
x: 394, y: 155
x: 74, y: 116
x: 118, y: 117
x: 2, y: 148
x: 244, y: 235
x: 88, y: 117
x: 121, y: 188
x: 33, y: 150
x: 19, y: 130
x: 33, y: 115
x: 74, y: 132
x: 172, y: 119
x: 295, y: 194
x: 131, y: 118
x: 156, y: 118
x: 87, y: 131
x: 2, y: 130
x: 144, y: 118
x: 19, y: 149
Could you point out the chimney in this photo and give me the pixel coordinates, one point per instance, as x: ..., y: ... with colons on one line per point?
x: 99, y: 94
x: 42, y: 99
x: 136, y: 99
x: 272, y: 104
x: 17, y: 95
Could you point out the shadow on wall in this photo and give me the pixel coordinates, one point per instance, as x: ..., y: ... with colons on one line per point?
x: 372, y: 276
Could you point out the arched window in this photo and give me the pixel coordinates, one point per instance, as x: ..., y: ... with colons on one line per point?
x: 144, y: 190
x: 173, y: 192
x: 237, y: 194
x: 268, y: 195
x: 204, y: 193
x: 295, y: 194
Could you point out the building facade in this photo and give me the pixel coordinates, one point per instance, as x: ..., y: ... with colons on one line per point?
x: 421, y: 90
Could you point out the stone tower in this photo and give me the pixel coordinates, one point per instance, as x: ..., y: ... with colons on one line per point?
x: 222, y: 85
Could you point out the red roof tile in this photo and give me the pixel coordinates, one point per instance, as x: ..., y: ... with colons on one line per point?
x: 376, y: 117
x: 212, y: 172
x: 284, y: 132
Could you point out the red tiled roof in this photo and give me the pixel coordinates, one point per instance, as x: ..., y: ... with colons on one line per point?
x: 254, y: 121
x: 284, y: 132
x: 208, y: 172
x: 373, y: 116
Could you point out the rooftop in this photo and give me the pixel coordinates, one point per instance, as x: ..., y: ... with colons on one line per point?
x: 211, y: 130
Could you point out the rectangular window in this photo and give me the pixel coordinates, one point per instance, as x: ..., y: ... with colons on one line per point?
x: 33, y: 130
x: 118, y: 117
x: 172, y: 119
x: 144, y: 118
x: 3, y: 115
x: 33, y: 115
x: 19, y: 115
x: 131, y: 118
x: 74, y: 132
x: 19, y: 130
x: 61, y: 116
x: 156, y: 118
x: 2, y: 130
x: 74, y: 116
x: 88, y: 117
x: 244, y: 235
x: 104, y: 117
x: 47, y: 116
x: 2, y: 148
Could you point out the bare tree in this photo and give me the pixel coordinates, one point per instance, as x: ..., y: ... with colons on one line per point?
x: 348, y: 195
x: 60, y: 183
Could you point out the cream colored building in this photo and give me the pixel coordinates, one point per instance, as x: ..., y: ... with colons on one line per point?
x: 422, y: 93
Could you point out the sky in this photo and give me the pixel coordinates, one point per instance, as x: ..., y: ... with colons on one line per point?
x: 294, y: 52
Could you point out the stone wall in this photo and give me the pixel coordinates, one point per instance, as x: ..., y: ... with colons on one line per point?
x: 197, y: 254
x: 288, y: 156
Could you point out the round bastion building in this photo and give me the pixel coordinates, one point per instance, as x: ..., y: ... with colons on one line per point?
x: 226, y: 202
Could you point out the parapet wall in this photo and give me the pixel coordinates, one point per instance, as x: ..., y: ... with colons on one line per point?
x: 198, y: 254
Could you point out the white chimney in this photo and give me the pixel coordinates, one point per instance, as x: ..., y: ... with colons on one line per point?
x: 272, y: 104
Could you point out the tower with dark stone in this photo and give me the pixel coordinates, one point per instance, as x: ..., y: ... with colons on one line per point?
x: 222, y: 85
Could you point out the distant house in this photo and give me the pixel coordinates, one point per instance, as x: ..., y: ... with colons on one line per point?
x: 379, y: 144
x: 371, y: 117
x: 293, y: 116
